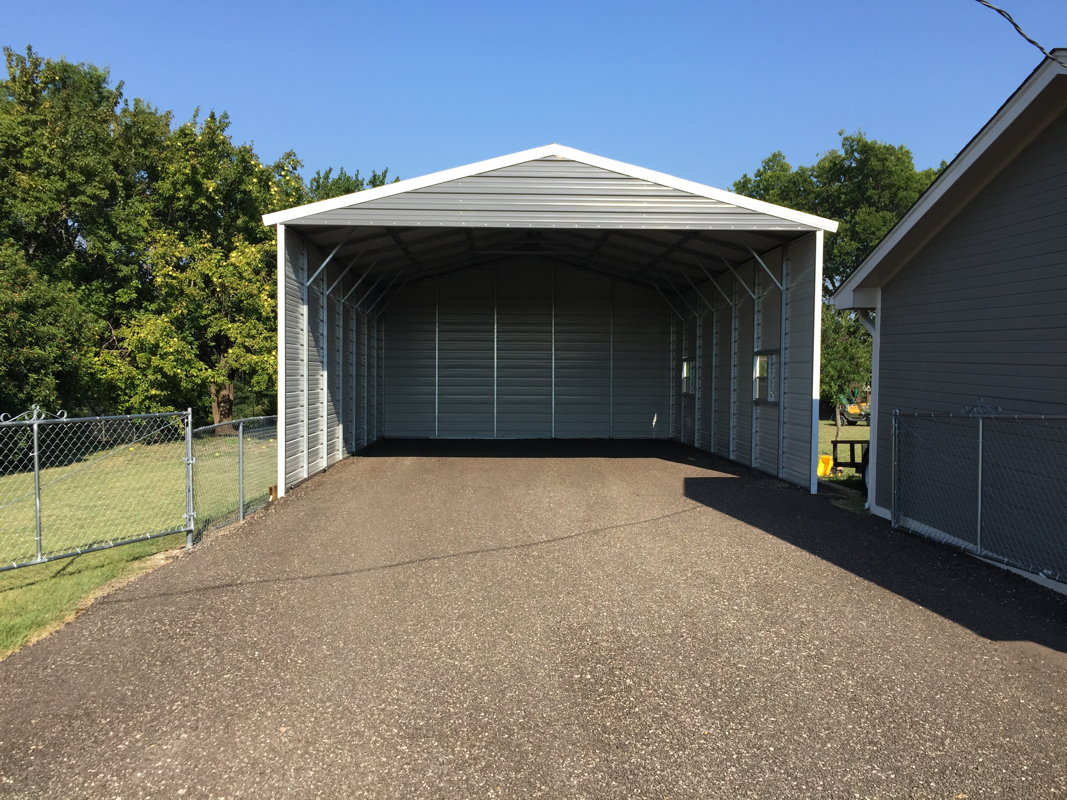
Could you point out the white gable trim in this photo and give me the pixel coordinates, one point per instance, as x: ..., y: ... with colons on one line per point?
x: 558, y: 151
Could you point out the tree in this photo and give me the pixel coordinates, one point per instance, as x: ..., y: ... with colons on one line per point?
x: 323, y: 186
x: 846, y: 358
x: 866, y: 186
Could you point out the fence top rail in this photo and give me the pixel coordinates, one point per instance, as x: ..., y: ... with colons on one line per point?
x: 940, y: 415
x: 233, y: 422
x: 26, y: 423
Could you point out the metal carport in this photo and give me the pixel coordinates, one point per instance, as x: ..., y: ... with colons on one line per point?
x: 549, y: 294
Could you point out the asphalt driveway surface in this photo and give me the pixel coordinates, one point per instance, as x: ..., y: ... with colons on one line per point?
x: 557, y: 620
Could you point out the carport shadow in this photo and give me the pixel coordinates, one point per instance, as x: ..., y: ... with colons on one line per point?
x: 991, y: 602
x: 664, y: 449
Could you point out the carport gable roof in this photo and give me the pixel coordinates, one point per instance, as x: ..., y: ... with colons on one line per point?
x: 1040, y: 100
x: 547, y: 187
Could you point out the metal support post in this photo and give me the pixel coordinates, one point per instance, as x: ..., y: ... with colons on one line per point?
x: 894, y: 516
x: 37, y: 485
x: 190, y: 513
x: 241, y: 469
x: 980, y: 437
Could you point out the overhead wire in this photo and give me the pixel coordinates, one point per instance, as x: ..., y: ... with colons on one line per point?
x: 1020, y: 31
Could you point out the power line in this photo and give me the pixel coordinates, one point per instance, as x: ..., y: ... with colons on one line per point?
x: 1021, y: 32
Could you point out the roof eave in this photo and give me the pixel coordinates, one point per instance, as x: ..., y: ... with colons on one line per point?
x: 1040, y: 99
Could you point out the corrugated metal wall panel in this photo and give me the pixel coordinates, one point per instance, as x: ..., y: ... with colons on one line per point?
x: 466, y: 358
x: 334, y: 381
x: 707, y: 380
x: 350, y: 371
x: 745, y: 322
x: 687, y: 405
x: 294, y: 357
x: 316, y: 443
x: 410, y: 405
x: 797, y: 360
x: 641, y: 386
x: 524, y: 349
x: 583, y: 354
x: 723, y: 361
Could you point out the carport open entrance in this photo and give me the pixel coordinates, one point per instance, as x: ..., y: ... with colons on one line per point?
x: 550, y: 294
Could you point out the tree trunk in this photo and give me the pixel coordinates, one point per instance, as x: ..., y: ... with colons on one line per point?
x: 221, y: 402
x: 837, y: 419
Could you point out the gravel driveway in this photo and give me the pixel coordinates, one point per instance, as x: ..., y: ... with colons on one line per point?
x: 601, y: 620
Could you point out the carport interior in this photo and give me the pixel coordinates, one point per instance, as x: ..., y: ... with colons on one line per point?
x: 602, y: 308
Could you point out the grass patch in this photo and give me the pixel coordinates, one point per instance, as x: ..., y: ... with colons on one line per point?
x: 827, y: 433
x: 38, y: 599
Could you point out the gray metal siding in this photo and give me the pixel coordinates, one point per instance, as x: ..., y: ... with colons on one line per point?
x: 411, y: 352
x: 583, y: 354
x: 743, y: 349
x: 797, y: 360
x: 524, y: 350
x: 350, y: 369
x: 466, y: 360
x: 641, y: 366
x: 294, y: 357
x: 334, y: 381
x: 768, y: 332
x: 979, y: 312
x: 316, y: 443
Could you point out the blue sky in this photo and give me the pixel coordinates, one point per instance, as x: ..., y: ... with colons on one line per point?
x: 701, y: 90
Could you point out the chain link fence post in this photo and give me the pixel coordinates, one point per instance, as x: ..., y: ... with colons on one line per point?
x: 241, y: 470
x: 190, y: 514
x: 37, y: 485
x: 894, y: 513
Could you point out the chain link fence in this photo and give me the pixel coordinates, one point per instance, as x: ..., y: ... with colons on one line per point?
x: 235, y: 465
x: 995, y: 485
x: 73, y: 486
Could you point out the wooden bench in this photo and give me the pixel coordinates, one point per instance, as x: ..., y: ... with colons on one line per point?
x: 853, y: 462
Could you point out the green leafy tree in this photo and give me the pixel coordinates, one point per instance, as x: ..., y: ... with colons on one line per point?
x: 323, y: 185
x: 45, y: 334
x: 866, y: 186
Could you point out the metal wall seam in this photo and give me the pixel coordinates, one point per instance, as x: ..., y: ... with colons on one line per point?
x: 553, y: 350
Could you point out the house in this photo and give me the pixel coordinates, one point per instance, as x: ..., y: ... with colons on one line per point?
x: 966, y: 298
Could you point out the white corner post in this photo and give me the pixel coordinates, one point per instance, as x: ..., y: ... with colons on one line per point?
x: 280, y: 437
x: 816, y: 361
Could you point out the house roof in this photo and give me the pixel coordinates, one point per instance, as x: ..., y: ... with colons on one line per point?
x: 1040, y: 100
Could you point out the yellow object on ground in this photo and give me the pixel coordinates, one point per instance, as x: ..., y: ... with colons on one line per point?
x: 826, y: 463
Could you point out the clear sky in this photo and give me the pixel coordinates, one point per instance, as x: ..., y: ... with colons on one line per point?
x: 701, y: 90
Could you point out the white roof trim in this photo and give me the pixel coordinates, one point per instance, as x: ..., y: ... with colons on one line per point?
x: 457, y: 173
x: 1031, y: 88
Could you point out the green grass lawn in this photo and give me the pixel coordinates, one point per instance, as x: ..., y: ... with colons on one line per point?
x: 827, y: 432
x: 110, y: 496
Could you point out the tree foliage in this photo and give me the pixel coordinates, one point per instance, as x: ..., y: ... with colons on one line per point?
x: 135, y: 272
x: 866, y: 186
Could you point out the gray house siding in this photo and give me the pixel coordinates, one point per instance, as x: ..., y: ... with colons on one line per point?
x: 979, y: 312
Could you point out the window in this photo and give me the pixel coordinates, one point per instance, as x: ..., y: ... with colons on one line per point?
x: 765, y: 377
x: 689, y: 385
